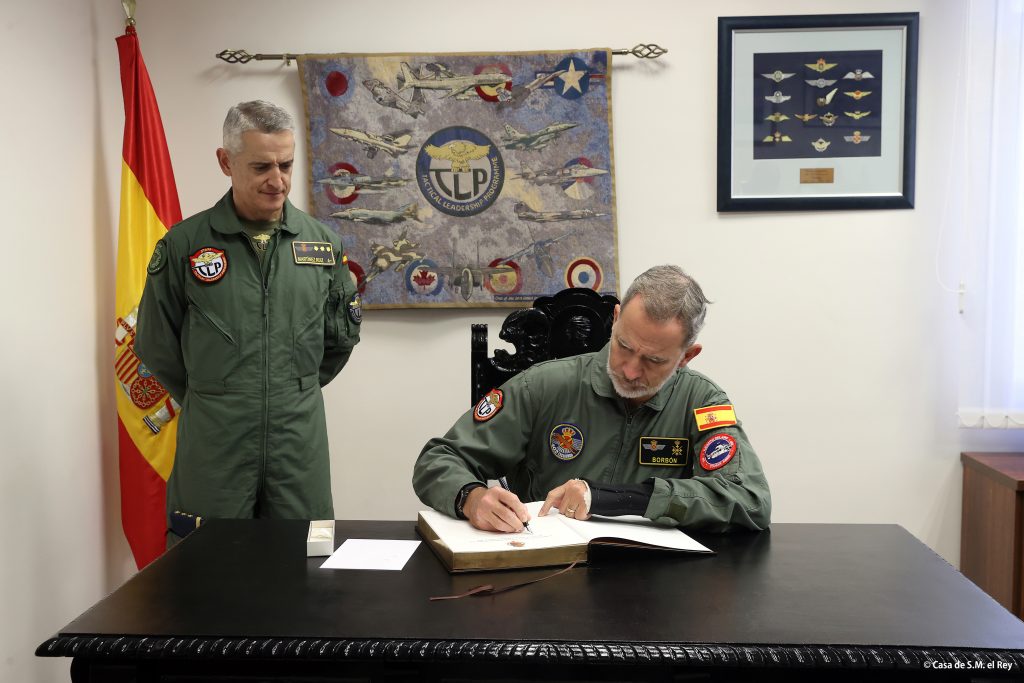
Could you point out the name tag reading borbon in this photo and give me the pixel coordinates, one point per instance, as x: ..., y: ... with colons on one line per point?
x: 313, y: 253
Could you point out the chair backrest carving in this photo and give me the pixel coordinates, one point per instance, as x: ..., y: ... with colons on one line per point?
x: 570, y: 322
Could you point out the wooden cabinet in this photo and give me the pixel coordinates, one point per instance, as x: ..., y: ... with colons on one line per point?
x: 992, y: 526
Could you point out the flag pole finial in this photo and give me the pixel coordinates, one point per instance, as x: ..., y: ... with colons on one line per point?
x: 129, y: 12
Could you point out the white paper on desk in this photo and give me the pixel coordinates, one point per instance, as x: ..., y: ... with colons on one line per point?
x: 371, y: 553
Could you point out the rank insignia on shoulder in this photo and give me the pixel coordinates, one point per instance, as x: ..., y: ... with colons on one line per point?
x: 355, y: 310
x: 713, y: 417
x: 209, y: 264
x: 313, y: 253
x: 159, y: 258
x: 717, y: 451
x: 664, y: 451
x: 565, y: 441
x: 489, y: 406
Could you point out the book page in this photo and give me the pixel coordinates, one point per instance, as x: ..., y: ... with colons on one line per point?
x: 461, y: 537
x: 636, y: 529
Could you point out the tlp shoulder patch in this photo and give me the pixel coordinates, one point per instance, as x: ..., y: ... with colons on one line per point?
x: 489, y: 406
x: 313, y: 253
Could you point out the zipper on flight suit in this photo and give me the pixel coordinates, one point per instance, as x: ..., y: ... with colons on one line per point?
x: 265, y: 353
x: 614, y: 476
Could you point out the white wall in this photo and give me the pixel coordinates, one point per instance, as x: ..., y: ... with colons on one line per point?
x: 829, y: 330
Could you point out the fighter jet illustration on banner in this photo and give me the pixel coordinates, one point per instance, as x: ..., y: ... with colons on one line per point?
x: 343, y: 180
x: 541, y: 252
x: 521, y: 92
x: 513, y: 139
x: 386, y: 97
x: 392, y: 144
x: 552, y: 176
x: 525, y: 213
x: 383, y: 257
x: 457, y: 86
x: 379, y: 216
x: 464, y: 276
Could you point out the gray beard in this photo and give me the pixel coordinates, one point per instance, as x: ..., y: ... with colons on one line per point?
x: 631, y: 391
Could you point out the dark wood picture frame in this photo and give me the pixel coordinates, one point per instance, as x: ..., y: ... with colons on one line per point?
x: 879, y: 175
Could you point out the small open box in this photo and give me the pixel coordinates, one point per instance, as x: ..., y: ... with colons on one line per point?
x: 320, y: 539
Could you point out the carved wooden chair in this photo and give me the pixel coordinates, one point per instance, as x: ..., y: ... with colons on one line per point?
x: 573, y: 321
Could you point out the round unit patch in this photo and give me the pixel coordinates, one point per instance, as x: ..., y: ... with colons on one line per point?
x: 717, y: 452
x: 355, y: 310
x: 566, y: 441
x: 158, y: 259
x: 209, y: 264
x: 460, y: 171
x: 489, y: 406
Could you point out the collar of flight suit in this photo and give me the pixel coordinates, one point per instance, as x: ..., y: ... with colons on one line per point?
x: 602, y: 383
x: 224, y: 219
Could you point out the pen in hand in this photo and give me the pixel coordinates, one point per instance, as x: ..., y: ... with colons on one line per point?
x: 504, y: 484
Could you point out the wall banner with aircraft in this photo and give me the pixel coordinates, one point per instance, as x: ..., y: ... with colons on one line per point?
x: 465, y: 180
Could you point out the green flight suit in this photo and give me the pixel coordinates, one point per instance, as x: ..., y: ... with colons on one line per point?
x: 245, y: 352
x: 573, y: 398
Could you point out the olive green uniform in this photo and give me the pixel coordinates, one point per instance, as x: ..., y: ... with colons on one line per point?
x: 245, y: 352
x: 574, y: 398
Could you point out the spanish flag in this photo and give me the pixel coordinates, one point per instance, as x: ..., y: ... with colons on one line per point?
x: 145, y: 411
x: 713, y: 417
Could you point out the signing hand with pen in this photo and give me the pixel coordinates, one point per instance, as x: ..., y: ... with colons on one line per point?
x: 495, y: 509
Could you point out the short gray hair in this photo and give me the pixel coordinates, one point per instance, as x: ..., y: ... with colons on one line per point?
x: 667, y: 293
x: 260, y: 115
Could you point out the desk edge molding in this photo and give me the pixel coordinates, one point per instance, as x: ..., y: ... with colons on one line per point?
x: 137, y: 649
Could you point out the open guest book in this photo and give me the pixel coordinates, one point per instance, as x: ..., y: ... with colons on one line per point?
x: 551, y: 540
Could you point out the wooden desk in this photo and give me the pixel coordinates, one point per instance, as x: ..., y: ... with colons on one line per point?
x: 239, y: 601
x: 992, y: 526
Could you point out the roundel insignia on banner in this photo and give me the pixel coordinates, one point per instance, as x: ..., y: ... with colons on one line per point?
x: 357, y: 274
x: 584, y: 272
x: 574, y: 81
x: 339, y: 191
x: 489, y: 406
x: 423, y: 277
x: 717, y: 451
x: 209, y: 264
x: 460, y: 171
x: 497, y: 91
x: 508, y: 280
x: 336, y: 83
x: 565, y: 441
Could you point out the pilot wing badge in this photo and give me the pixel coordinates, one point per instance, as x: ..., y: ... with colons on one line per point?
x: 494, y: 169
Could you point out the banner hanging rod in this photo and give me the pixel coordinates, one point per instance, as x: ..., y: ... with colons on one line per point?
x: 641, y: 51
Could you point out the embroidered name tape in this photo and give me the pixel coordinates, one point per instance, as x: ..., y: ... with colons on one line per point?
x: 714, y: 417
x: 313, y: 253
x: 664, y: 451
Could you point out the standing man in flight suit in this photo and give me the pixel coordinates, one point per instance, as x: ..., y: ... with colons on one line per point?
x: 630, y: 429
x: 248, y: 310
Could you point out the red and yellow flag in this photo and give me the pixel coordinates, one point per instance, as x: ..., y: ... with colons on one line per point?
x: 713, y: 417
x: 145, y: 411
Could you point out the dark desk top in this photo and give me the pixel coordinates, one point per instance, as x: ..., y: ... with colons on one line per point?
x: 855, y: 586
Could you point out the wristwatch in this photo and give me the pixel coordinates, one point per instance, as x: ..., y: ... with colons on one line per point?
x: 460, y: 500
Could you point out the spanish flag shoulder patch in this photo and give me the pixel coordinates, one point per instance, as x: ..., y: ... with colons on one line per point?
x: 713, y: 417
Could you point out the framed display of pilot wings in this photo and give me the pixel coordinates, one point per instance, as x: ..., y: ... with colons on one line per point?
x: 817, y: 112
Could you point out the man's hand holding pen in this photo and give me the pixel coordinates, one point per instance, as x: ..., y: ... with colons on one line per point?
x: 495, y: 509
